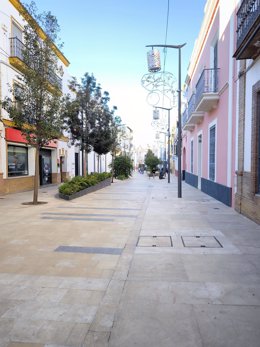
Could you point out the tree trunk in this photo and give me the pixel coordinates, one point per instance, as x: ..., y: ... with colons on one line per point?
x: 36, y: 176
x: 86, y: 158
x: 82, y: 159
x: 112, y: 178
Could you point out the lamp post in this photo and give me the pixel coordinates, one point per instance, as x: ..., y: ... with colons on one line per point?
x: 179, y: 47
x: 169, y: 140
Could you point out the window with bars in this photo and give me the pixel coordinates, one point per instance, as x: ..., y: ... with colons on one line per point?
x: 191, y: 156
x: 212, y: 152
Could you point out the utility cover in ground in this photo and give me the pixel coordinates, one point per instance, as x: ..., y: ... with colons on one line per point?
x: 154, y: 241
x: 201, y: 241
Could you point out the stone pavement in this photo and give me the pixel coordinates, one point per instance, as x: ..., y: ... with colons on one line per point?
x: 129, y: 265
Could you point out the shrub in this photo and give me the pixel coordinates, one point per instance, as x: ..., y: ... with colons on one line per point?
x: 123, y: 166
x: 79, y: 183
x: 121, y: 177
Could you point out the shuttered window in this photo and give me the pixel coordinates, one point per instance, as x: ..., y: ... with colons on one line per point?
x: 191, y: 156
x: 212, y: 153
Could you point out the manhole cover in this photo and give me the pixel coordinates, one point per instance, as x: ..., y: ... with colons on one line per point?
x: 201, y: 241
x: 154, y: 241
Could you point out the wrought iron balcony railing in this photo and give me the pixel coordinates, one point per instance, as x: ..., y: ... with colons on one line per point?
x: 191, y: 104
x: 207, y: 84
x: 16, y: 51
x: 247, y: 15
x: 185, y: 117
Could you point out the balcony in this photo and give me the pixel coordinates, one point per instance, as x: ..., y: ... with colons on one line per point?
x: 16, y: 59
x: 248, y: 30
x: 207, y: 96
x: 192, y: 116
x: 185, y: 124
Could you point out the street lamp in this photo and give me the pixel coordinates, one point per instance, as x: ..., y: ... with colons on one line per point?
x: 179, y: 47
x: 169, y: 139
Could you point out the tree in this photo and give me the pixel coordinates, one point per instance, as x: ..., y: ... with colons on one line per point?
x: 88, y: 117
x: 116, y: 124
x: 38, y: 103
x: 151, y: 161
x: 123, y: 166
x: 102, y: 134
x: 80, y: 111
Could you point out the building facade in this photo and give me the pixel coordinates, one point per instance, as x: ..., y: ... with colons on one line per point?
x: 220, y: 123
x: 17, y: 158
x: 247, y: 55
x: 60, y: 159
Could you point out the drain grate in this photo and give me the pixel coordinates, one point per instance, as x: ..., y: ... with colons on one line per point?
x: 154, y: 241
x: 201, y: 241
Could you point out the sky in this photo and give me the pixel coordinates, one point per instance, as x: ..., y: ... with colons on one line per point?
x: 108, y: 38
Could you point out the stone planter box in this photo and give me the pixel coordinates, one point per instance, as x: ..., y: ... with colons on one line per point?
x: 88, y: 190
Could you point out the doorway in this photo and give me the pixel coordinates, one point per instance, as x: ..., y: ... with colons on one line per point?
x: 45, y: 167
x: 76, y: 164
x: 199, y: 160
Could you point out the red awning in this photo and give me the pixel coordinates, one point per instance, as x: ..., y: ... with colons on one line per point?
x: 15, y: 135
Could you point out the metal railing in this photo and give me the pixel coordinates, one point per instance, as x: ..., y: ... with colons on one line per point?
x: 16, y: 50
x: 207, y: 83
x: 247, y: 14
x: 191, y: 104
x: 185, y: 117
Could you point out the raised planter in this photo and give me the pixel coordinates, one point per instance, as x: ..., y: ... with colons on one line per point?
x: 85, y: 191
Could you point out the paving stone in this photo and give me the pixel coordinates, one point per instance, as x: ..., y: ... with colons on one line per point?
x: 78, y: 335
x: 97, y: 339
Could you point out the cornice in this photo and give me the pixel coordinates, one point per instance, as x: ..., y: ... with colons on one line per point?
x: 22, y: 10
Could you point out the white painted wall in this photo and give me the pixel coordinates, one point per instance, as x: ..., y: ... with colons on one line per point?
x: 252, y: 77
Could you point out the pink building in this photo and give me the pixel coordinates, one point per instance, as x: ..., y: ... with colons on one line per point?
x: 221, y: 121
x: 209, y: 120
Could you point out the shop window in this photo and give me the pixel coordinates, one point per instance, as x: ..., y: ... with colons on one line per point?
x: 17, y: 161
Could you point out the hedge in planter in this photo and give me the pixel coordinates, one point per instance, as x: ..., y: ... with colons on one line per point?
x: 79, y: 186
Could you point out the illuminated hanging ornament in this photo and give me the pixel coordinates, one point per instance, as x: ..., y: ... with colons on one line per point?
x: 155, y: 114
x: 154, y: 61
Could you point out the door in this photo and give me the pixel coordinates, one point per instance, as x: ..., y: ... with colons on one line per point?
x: 199, y: 160
x: 76, y: 164
x: 61, y: 169
x: 45, y: 167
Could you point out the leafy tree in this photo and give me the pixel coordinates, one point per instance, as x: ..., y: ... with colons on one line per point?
x: 80, y: 111
x: 88, y: 117
x: 102, y: 134
x: 151, y: 161
x: 123, y: 166
x: 38, y: 103
x: 116, y: 124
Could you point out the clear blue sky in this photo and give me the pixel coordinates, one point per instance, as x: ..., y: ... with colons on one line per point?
x: 108, y: 38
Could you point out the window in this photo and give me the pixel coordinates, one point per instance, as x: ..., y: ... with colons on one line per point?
x: 17, y: 161
x: 191, y: 156
x: 18, y: 92
x: 212, y: 154
x: 16, y: 41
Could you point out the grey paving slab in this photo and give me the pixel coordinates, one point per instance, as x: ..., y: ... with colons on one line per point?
x: 158, y: 266
x: 221, y: 268
x: 160, y: 324
x: 145, y: 296
x: 228, y: 326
